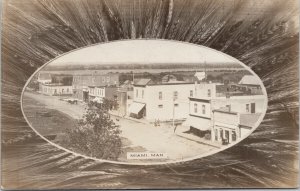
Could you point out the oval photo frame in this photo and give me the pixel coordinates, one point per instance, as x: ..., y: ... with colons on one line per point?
x: 224, y: 100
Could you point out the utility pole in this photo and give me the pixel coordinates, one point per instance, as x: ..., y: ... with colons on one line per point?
x: 205, y: 72
x: 173, y: 122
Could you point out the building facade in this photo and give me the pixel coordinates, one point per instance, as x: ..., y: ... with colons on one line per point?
x: 223, y: 115
x: 98, y: 93
x: 81, y: 83
x: 125, y: 97
x: 164, y: 101
x: 55, y: 89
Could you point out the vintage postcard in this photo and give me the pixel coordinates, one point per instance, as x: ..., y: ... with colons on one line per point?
x: 159, y: 94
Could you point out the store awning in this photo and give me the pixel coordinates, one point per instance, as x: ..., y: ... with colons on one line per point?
x: 198, y: 123
x: 136, y: 107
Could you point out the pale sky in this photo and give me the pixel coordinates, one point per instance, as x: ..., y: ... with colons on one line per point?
x: 142, y: 52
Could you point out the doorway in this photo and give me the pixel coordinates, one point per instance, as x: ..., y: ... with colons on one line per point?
x: 252, y: 107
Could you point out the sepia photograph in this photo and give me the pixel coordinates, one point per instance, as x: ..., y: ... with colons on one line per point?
x: 149, y: 107
x: 149, y: 94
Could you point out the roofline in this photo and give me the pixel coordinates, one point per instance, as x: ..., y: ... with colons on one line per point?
x: 200, y: 99
x: 163, y: 84
x: 228, y: 112
x: 106, y: 74
x: 200, y: 116
x: 56, y: 85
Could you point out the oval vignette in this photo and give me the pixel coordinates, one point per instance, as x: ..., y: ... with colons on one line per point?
x: 144, y: 102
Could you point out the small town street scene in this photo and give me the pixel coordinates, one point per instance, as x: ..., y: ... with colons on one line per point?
x: 144, y: 112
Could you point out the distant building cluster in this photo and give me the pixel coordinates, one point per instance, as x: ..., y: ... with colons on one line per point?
x: 223, y: 111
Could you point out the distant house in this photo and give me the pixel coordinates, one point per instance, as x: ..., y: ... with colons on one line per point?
x: 54, y: 89
x: 81, y: 83
x: 168, y: 78
x: 161, y: 101
x: 44, y: 78
x: 200, y: 75
x: 222, y: 113
x: 252, y: 83
x: 249, y: 80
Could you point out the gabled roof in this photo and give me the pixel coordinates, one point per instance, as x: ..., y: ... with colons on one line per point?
x: 249, y: 80
x: 168, y: 78
x: 200, y: 75
x: 143, y: 82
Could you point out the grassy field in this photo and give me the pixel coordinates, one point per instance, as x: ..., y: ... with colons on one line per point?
x: 46, y: 121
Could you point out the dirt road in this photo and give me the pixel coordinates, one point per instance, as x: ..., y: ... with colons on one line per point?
x: 154, y: 139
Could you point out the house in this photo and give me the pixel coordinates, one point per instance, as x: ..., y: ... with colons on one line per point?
x: 251, y: 83
x: 200, y: 75
x: 223, y: 114
x: 55, y: 89
x: 249, y: 80
x: 44, y: 78
x: 81, y: 83
x: 162, y: 101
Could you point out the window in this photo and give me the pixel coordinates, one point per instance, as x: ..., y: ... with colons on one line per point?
x: 160, y: 95
x: 195, y: 108
x: 68, y: 90
x: 107, y: 79
x: 142, y: 93
x: 233, y: 136
x: 93, y: 79
x: 208, y: 93
x: 229, y: 107
x: 62, y: 91
x: 247, y: 108
x: 175, y: 95
x: 55, y: 91
x: 160, y: 106
x: 191, y: 93
x: 103, y: 79
x: 136, y: 93
x: 203, y: 109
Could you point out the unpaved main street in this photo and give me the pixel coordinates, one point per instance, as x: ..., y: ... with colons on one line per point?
x: 154, y: 139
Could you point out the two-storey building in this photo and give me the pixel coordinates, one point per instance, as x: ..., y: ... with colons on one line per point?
x: 98, y: 93
x: 224, y: 113
x: 161, y: 101
x: 82, y: 82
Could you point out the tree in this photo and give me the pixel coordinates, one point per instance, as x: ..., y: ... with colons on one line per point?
x: 96, y: 134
